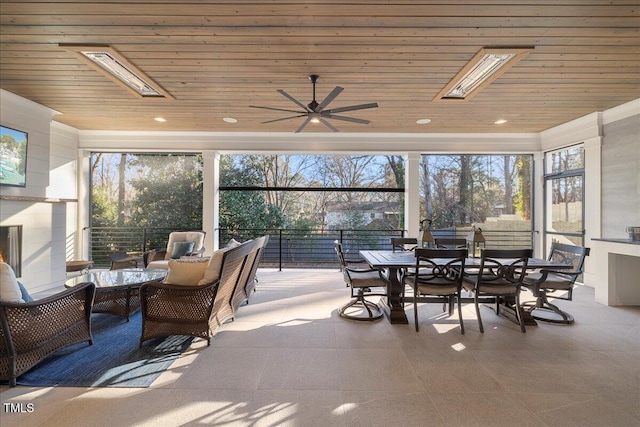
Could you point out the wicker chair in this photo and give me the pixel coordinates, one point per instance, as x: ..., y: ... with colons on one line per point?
x: 197, y: 311
x: 33, y: 330
x: 177, y: 310
x: 120, y: 260
x: 159, y: 258
x: 247, y: 283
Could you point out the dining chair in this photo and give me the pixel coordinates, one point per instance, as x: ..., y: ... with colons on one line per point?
x: 404, y: 243
x: 450, y: 243
x: 500, y: 275
x: 362, y: 281
x: 438, y: 272
x: 544, y: 281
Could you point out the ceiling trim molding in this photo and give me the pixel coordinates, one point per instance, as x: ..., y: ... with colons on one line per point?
x: 310, y: 142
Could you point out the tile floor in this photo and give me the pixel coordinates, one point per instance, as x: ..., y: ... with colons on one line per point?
x: 289, y: 360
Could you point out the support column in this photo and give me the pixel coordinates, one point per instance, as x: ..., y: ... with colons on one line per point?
x: 412, y: 195
x: 210, y: 199
x: 592, y: 200
x: 538, y: 205
x: 83, y: 220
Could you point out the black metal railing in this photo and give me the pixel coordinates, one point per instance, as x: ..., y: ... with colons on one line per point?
x: 287, y: 247
x: 312, y: 248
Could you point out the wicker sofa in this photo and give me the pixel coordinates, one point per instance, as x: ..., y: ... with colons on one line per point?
x: 33, y: 330
x: 199, y: 310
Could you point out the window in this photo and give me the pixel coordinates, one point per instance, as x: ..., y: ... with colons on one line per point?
x: 313, y: 192
x: 492, y: 192
x: 564, y: 196
x: 137, y: 199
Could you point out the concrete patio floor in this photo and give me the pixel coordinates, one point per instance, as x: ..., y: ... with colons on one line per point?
x: 290, y: 360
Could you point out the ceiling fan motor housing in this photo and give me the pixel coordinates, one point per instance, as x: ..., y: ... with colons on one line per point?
x: 317, y: 112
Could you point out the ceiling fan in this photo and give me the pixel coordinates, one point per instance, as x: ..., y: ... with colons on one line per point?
x: 316, y: 113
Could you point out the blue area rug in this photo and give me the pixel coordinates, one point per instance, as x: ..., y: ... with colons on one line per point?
x: 114, y: 359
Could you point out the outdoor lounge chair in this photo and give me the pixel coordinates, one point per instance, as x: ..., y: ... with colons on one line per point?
x: 33, y: 330
x: 198, y: 310
x: 181, y: 243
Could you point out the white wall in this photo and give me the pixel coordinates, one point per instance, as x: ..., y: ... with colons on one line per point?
x: 43, y: 207
x: 63, y: 183
x: 590, y: 131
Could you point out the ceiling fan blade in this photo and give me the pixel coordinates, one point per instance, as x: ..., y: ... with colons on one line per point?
x: 335, y: 92
x: 348, y: 119
x: 284, y: 118
x: 277, y: 109
x: 298, y: 103
x: 352, y: 107
x: 329, y: 125
x: 306, y: 122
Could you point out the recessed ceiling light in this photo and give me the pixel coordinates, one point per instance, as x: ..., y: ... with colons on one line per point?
x: 500, y: 122
x: 160, y: 119
x: 423, y: 121
x: 230, y: 120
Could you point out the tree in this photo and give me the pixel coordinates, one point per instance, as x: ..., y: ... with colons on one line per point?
x: 121, y: 188
x: 396, y: 163
x: 168, y: 191
x: 508, y: 184
x: 241, y: 210
x: 522, y: 200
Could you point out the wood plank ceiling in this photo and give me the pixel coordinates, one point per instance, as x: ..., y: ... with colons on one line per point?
x: 216, y: 58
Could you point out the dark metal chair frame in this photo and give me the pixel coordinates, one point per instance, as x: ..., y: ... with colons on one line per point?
x: 352, y: 277
x: 500, y: 274
x: 548, y: 280
x: 450, y: 243
x: 438, y: 272
x: 400, y: 243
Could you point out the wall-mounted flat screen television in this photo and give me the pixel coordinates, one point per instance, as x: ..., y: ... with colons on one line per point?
x: 13, y: 157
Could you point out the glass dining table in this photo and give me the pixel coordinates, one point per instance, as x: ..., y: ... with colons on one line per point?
x: 396, y: 262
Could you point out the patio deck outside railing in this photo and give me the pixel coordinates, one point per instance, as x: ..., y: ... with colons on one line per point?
x: 287, y: 248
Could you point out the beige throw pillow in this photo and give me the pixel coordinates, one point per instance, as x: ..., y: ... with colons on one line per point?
x: 186, y: 272
x: 212, y: 274
x: 9, y: 289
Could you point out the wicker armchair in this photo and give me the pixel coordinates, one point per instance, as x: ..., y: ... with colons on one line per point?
x: 33, y: 330
x: 177, y: 310
x: 159, y: 258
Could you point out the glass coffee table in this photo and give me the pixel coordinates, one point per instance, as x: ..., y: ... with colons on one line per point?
x: 117, y: 290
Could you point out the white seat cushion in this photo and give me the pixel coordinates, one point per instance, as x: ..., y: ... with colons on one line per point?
x: 9, y: 289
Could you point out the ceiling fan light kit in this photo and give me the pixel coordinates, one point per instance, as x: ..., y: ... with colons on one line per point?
x: 315, y: 112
